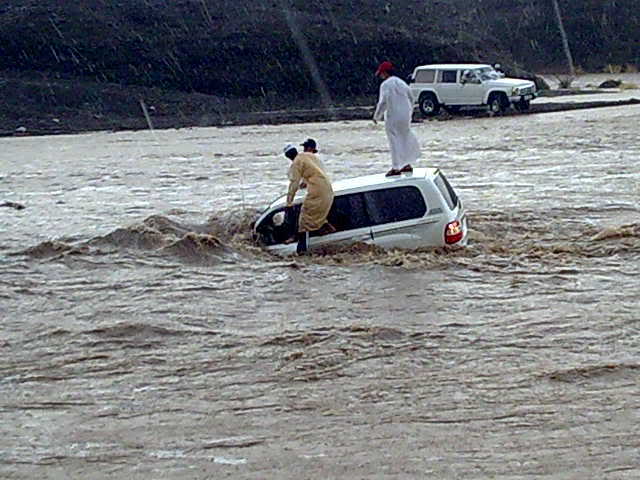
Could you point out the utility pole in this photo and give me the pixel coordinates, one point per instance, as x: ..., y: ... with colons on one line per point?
x: 565, y: 41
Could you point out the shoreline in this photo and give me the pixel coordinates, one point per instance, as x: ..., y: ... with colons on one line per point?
x: 280, y: 117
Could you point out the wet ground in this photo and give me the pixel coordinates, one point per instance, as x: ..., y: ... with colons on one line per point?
x: 144, y: 336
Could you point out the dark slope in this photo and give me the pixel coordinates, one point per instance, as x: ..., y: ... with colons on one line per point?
x: 97, y: 57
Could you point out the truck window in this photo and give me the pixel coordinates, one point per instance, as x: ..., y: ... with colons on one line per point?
x: 448, y: 76
x: 425, y: 76
x: 394, y: 204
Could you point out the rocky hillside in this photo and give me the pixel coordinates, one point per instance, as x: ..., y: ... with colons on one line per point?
x: 280, y: 50
x: 245, y: 47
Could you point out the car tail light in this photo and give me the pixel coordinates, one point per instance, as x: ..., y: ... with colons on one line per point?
x: 453, y: 232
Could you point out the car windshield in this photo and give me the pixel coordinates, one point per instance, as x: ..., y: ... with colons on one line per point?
x: 486, y: 73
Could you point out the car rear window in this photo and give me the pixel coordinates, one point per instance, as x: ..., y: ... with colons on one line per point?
x: 447, y: 191
x: 394, y: 204
x: 425, y: 76
x: 448, y: 76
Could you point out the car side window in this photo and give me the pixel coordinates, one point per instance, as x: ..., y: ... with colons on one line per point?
x: 395, y: 204
x: 348, y: 212
x: 448, y: 76
x: 425, y: 76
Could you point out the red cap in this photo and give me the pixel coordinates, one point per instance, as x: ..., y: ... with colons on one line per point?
x: 384, y: 67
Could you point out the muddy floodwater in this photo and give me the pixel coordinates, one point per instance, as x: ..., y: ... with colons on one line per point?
x: 144, y: 336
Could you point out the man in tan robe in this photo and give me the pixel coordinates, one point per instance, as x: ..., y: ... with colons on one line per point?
x: 310, y: 146
x: 319, y: 198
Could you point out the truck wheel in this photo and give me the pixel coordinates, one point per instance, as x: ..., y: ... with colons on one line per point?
x: 498, y: 102
x: 523, y: 105
x: 429, y: 106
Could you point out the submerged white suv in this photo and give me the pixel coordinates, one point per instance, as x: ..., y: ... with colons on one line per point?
x: 453, y: 86
x: 419, y: 209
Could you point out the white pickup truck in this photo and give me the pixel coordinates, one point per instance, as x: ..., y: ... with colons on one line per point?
x: 453, y: 86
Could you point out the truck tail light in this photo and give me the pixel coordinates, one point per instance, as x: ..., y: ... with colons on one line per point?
x: 453, y: 232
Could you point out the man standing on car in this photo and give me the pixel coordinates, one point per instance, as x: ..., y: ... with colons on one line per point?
x: 395, y: 106
x: 317, y: 203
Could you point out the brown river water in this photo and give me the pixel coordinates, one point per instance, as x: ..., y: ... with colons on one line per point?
x: 144, y: 336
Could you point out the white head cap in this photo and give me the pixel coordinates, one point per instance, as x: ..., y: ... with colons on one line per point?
x: 288, y: 147
x: 278, y: 219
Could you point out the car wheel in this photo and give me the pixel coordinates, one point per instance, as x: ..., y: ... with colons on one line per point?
x: 498, y: 103
x: 523, y: 105
x: 429, y: 105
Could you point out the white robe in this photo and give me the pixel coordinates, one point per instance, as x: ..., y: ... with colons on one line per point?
x: 395, y: 106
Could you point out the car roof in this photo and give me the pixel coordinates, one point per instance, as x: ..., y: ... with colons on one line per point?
x: 443, y: 66
x: 378, y: 179
x: 372, y: 182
